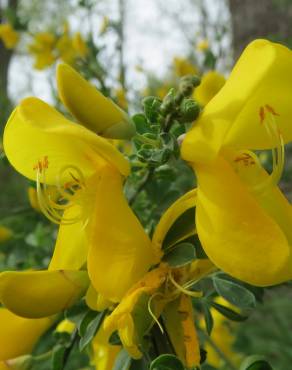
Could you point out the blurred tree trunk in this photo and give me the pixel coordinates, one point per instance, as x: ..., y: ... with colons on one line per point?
x: 260, y: 19
x: 5, y: 58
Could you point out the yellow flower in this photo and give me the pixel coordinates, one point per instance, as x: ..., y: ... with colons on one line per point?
x: 104, y: 354
x: 94, y: 216
x: 211, y: 84
x: 163, y: 289
x: 79, y: 45
x: 65, y: 326
x: 5, y: 234
x: 203, y: 45
x: 8, y: 35
x: 222, y: 336
x: 121, y: 98
x: 243, y: 220
x: 65, y: 49
x: 183, y: 67
x: 42, y: 48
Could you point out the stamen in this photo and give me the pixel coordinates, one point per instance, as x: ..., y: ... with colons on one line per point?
x: 278, y: 153
x: 53, y: 209
x: 183, y: 290
x: 151, y: 312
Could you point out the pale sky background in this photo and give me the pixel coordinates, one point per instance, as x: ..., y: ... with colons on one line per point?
x: 153, y: 33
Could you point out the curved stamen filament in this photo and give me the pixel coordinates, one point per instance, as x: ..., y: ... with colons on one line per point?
x: 183, y: 290
x: 52, y: 209
x: 278, y: 154
x: 151, y: 312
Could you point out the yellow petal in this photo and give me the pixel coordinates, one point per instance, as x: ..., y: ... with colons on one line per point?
x: 148, y: 284
x: 5, y: 234
x: 18, y: 336
x: 36, y: 131
x: 96, y: 301
x: 91, y: 108
x: 180, y: 326
x: 104, y: 355
x: 71, y: 247
x: 232, y: 118
x: 270, y: 198
x: 65, y: 326
x: 210, y: 85
x: 169, y: 217
x: 35, y: 294
x: 120, y: 251
x: 238, y: 235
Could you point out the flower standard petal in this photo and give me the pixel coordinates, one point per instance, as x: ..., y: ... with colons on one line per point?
x: 36, y: 294
x: 35, y: 130
x: 91, y: 108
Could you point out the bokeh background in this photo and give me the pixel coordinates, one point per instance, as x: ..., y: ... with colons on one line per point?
x: 142, y: 47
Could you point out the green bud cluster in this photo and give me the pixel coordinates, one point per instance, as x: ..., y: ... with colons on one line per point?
x: 163, y: 121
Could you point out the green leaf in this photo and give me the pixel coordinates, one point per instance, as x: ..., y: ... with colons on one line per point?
x: 234, y: 293
x: 58, y: 357
x: 123, y: 361
x: 166, y: 362
x: 114, y: 339
x: 141, y: 123
x: 255, y: 363
x: 141, y: 364
x: 86, y: 320
x: 180, y: 255
x: 208, y: 318
x: 183, y: 227
x: 91, y: 330
x: 77, y: 312
x: 228, y: 312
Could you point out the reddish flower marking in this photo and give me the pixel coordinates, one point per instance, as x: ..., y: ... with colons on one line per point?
x: 245, y: 158
x: 264, y: 109
x: 42, y: 164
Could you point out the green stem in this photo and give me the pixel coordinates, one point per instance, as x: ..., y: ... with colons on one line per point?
x: 142, y: 184
x: 74, y: 339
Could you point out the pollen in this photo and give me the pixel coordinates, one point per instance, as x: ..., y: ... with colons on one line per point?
x: 41, y: 164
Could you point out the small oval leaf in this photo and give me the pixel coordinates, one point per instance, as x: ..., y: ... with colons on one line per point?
x: 234, y: 293
x: 180, y: 255
x: 166, y: 362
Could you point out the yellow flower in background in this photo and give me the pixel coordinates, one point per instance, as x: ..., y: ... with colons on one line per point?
x: 79, y: 45
x: 65, y: 326
x: 104, y: 354
x: 222, y: 336
x: 203, y: 45
x: 65, y: 49
x: 8, y: 35
x: 42, y: 48
x: 5, y: 234
x: 183, y: 66
x: 121, y: 98
x: 211, y: 84
x: 243, y: 220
